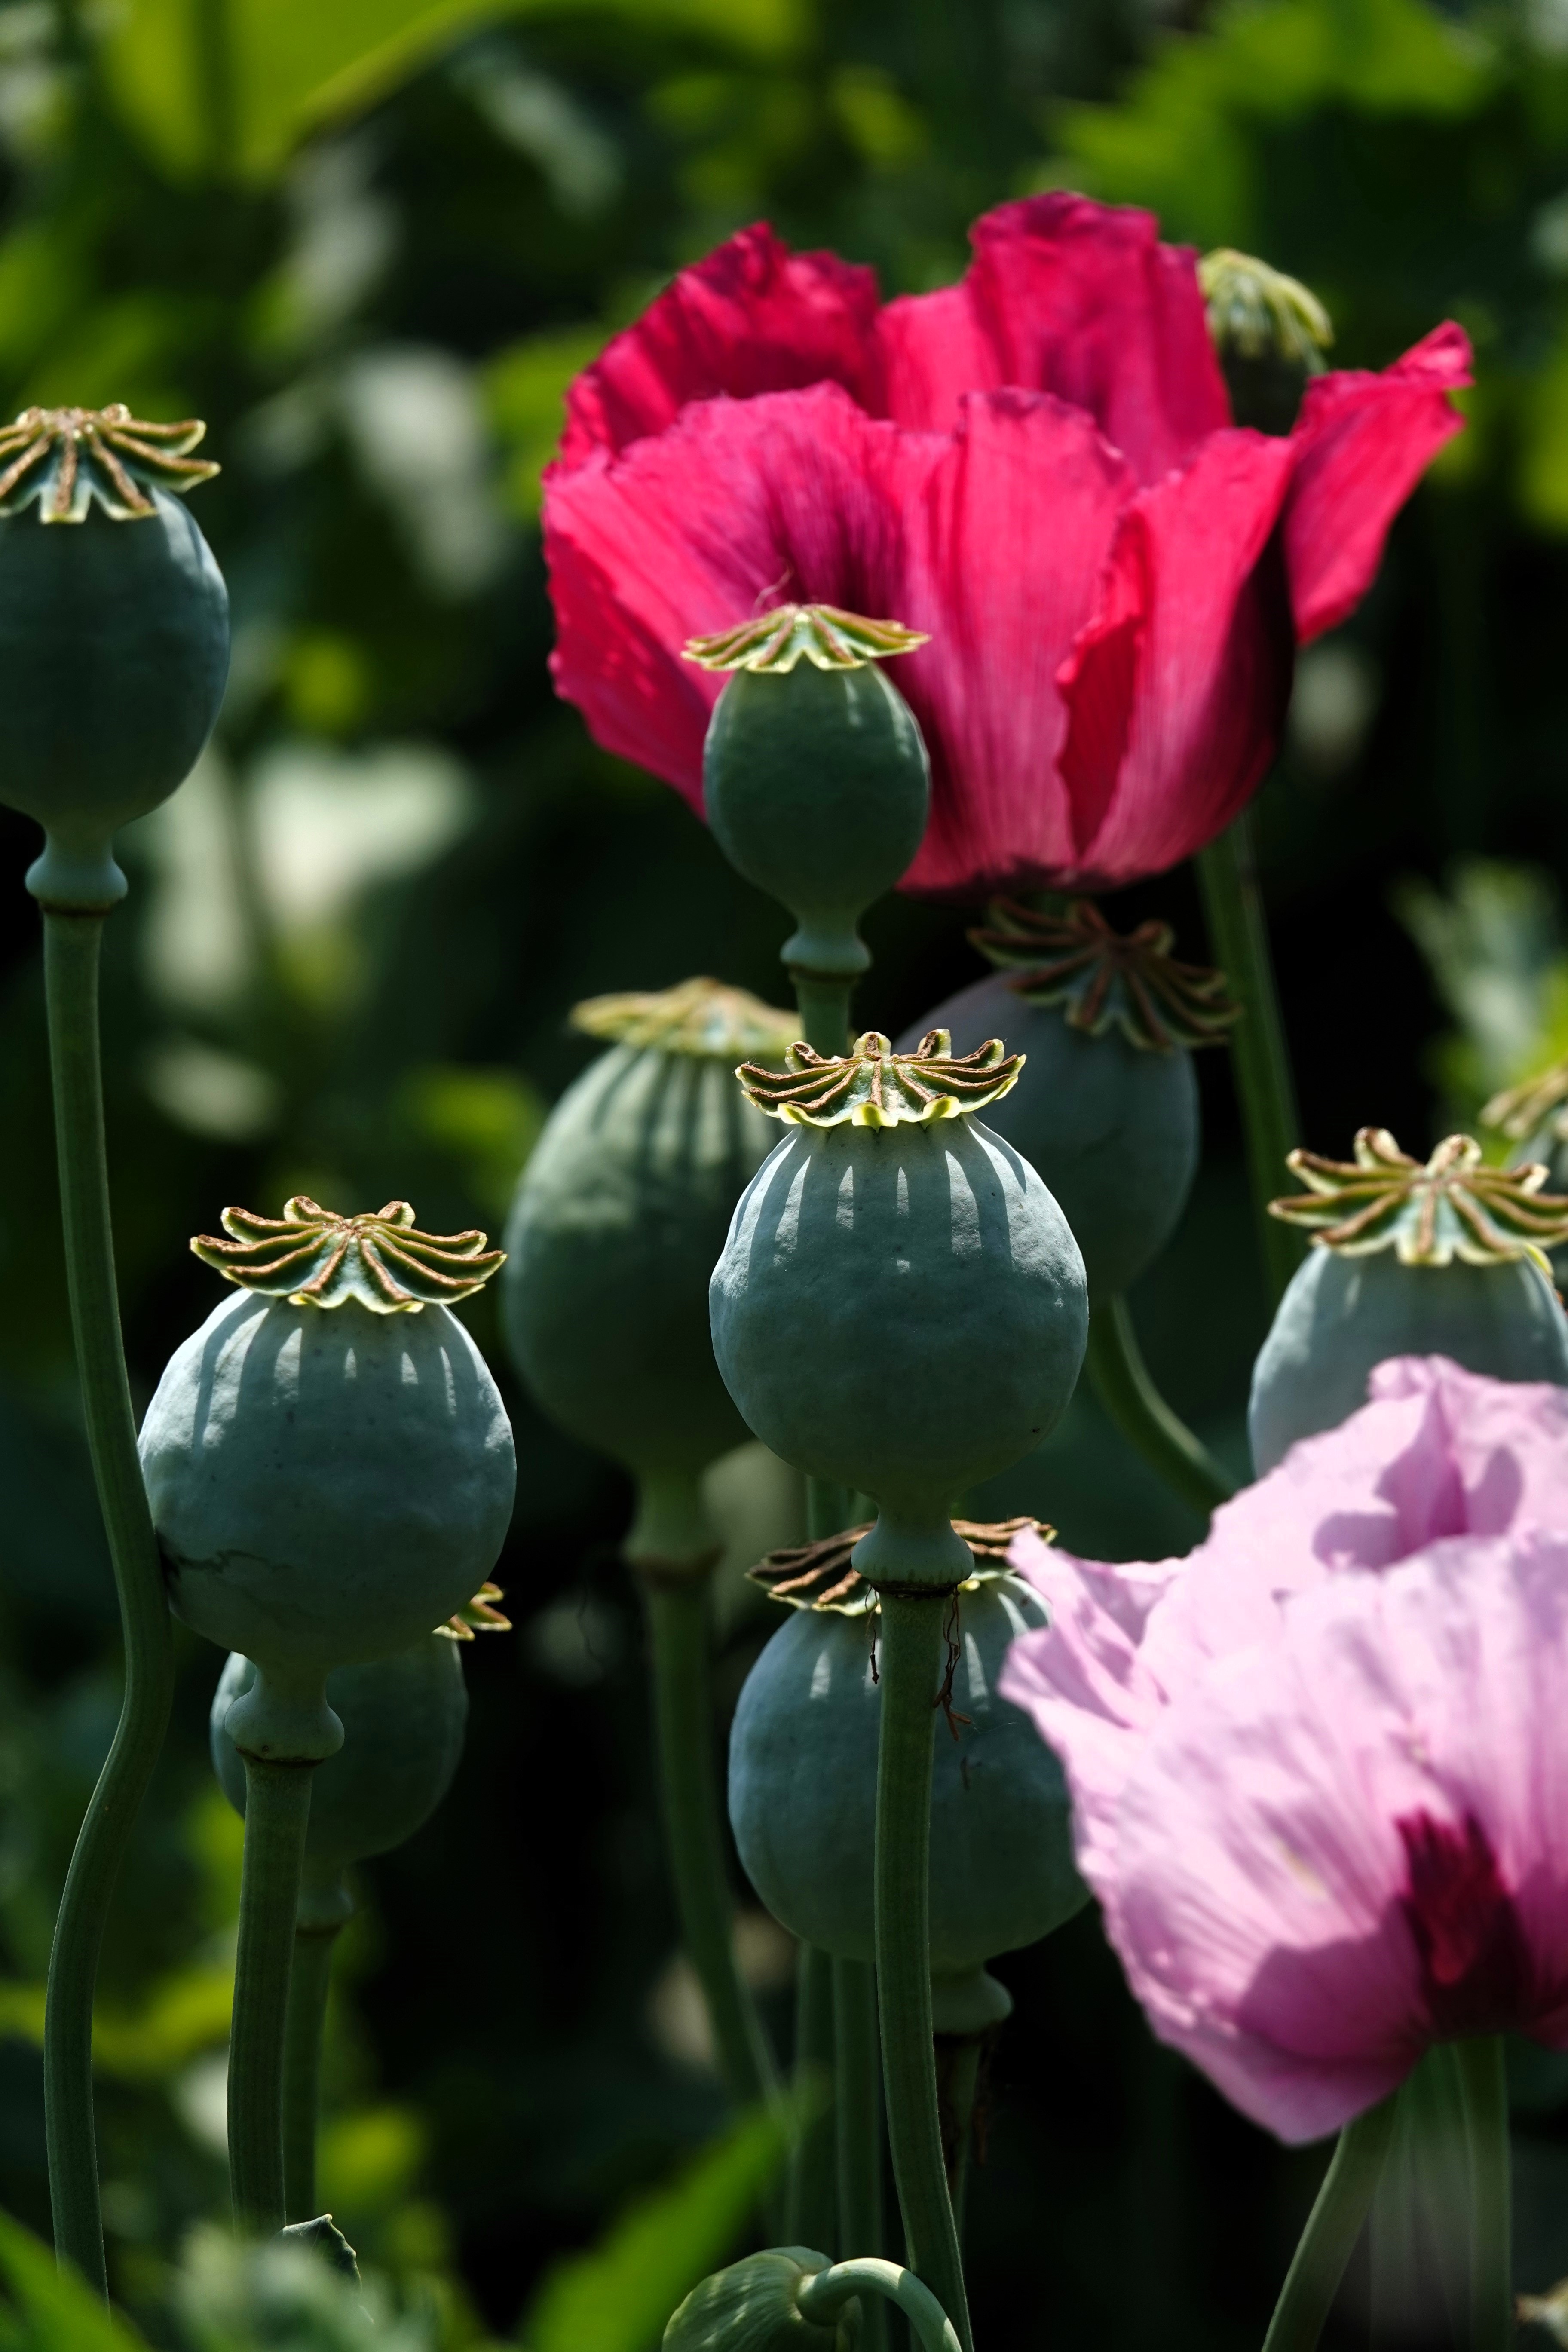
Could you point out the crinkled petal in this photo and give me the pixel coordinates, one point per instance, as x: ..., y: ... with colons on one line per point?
x: 1362, y: 441
x: 1177, y: 687
x: 751, y: 318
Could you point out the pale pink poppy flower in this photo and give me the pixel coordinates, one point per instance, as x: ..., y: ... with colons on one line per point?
x: 1320, y: 1770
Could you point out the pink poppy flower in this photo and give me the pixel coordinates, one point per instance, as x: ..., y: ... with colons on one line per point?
x: 1318, y: 1771
x: 1037, y: 467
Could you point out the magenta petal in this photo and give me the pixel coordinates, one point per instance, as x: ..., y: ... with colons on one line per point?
x: 1362, y: 443
x: 1177, y: 687
x: 751, y: 317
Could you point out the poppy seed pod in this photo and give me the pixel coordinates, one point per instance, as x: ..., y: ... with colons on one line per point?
x: 899, y: 1306
x: 1445, y: 1259
x: 1106, y: 1106
x: 327, y: 1461
x: 113, y: 635
x: 815, y: 776
x: 803, y: 1767
x: 618, y: 1217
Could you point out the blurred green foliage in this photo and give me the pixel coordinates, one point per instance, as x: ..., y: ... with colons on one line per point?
x: 370, y: 241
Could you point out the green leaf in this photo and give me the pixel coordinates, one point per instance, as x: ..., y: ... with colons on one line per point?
x: 525, y: 390
x: 52, y: 2310
x: 216, y: 86
x: 618, y: 2296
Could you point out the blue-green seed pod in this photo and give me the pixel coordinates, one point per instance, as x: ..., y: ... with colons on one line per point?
x: 403, y: 1719
x: 618, y: 1217
x: 1106, y: 1106
x: 113, y: 635
x: 803, y: 1770
x: 814, y: 777
x: 329, y: 1463
x: 1443, y: 1259
x: 899, y: 1306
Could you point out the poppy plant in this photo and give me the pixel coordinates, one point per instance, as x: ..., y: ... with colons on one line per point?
x: 1036, y: 467
x: 1319, y: 1770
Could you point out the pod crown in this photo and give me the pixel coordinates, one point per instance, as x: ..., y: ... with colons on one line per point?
x: 872, y: 1086
x: 1450, y: 1206
x: 67, y: 457
x: 775, y: 641
x: 1105, y: 978
x: 313, y: 1257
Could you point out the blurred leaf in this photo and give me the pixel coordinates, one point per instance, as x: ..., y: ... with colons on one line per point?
x: 370, y: 2159
x: 187, y: 2012
x: 239, y: 83
x: 618, y: 2296
x: 525, y: 392
x: 54, y: 2312
x: 488, y: 1121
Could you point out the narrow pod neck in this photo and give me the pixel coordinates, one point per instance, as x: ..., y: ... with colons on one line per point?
x: 913, y: 1551
x: 283, y: 1718
x: 671, y: 1538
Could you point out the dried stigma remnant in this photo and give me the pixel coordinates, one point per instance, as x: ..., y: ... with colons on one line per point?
x: 1259, y: 312
x: 819, y: 1575
x: 478, y: 1615
x: 699, y: 1017
x: 65, y: 457
x: 1539, y: 1105
x: 872, y: 1086
x: 1105, y: 977
x: 1453, y: 1206
x: 775, y: 641
x: 313, y: 1257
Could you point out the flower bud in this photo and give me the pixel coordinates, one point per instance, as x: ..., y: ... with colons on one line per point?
x: 1269, y: 332
x: 899, y: 1306
x: 113, y: 635
x: 1445, y: 1259
x: 802, y: 1770
x: 1106, y: 1106
x: 618, y: 1217
x: 753, y: 2306
x: 815, y: 776
x: 327, y: 1461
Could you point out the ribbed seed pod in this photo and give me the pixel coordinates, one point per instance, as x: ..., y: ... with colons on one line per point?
x: 1444, y: 1258
x: 113, y: 635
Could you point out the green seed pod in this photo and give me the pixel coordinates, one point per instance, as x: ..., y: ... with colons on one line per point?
x: 803, y: 1767
x: 1443, y: 1259
x: 1270, y: 334
x: 1106, y: 1107
x: 753, y: 2306
x: 113, y: 635
x: 618, y: 1217
x: 900, y: 1307
x: 329, y: 1463
x: 815, y: 776
x: 403, y: 1719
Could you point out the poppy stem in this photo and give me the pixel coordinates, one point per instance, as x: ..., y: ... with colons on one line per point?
x: 1485, y: 2086
x: 276, y: 1816
x: 873, y: 2283
x: 811, y: 2211
x: 1259, y: 1056
x: 859, y: 2115
x: 680, y: 1635
x: 325, y: 1908
x: 911, y: 1659
x: 72, y: 949
x: 822, y: 1001
x: 1332, y: 2228
x: 1134, y: 1405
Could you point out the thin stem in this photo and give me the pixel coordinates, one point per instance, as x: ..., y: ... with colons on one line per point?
x: 678, y: 1616
x: 277, y: 1815
x: 868, y: 2278
x: 822, y: 1001
x: 71, y: 945
x: 912, y: 1654
x: 1259, y: 1056
x: 310, y: 1980
x: 1332, y: 2228
x: 1485, y: 2087
x: 859, y: 2119
x: 1132, y: 1402
x: 812, y: 2207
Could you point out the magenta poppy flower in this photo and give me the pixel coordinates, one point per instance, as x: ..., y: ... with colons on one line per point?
x: 1036, y: 466
x: 1320, y: 1770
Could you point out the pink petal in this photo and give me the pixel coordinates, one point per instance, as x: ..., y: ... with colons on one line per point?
x: 751, y: 317
x: 1507, y: 1442
x: 1176, y: 689
x: 1362, y: 443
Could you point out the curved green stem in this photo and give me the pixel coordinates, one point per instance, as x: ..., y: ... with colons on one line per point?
x: 825, y: 2295
x: 309, y: 1981
x: 1333, y: 2227
x: 678, y: 1616
x: 811, y: 2209
x: 911, y: 1657
x: 71, y: 945
x: 277, y: 1815
x: 1134, y: 1405
x: 1259, y: 1056
x: 1485, y: 2087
